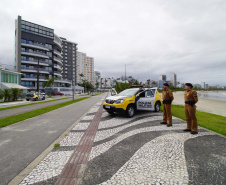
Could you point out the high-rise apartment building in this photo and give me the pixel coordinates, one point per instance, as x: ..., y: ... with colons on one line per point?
x: 162, y: 77
x: 203, y: 85
x: 69, y: 50
x: 39, y: 54
x: 173, y: 79
x: 85, y: 68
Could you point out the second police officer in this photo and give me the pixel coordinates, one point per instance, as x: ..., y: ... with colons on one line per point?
x: 167, y: 97
x: 191, y: 99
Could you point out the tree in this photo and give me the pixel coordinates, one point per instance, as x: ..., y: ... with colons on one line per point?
x: 97, y: 84
x: 81, y: 76
x: 2, y: 94
x: 50, y: 82
x: 8, y: 94
x: 121, y: 86
x: 136, y: 82
x: 153, y: 83
x: 15, y: 93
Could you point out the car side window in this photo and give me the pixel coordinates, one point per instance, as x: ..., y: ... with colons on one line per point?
x: 149, y: 94
x: 142, y: 94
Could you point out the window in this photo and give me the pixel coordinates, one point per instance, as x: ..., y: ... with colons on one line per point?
x: 149, y: 94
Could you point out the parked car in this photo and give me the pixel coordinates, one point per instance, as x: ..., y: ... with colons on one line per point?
x: 35, y: 96
x: 58, y: 93
x: 130, y: 100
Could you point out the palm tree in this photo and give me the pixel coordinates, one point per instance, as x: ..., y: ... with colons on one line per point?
x: 15, y: 93
x: 8, y: 94
x: 50, y: 82
x: 2, y: 94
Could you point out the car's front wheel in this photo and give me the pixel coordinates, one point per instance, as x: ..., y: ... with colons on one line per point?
x: 110, y: 112
x: 157, y: 107
x: 130, y: 111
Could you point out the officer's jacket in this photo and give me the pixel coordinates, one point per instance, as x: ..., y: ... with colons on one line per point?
x: 167, y: 95
x: 190, y: 95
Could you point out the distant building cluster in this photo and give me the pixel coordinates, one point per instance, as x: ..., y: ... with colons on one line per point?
x: 40, y: 53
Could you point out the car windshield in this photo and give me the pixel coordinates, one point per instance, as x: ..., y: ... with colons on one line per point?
x: 128, y: 92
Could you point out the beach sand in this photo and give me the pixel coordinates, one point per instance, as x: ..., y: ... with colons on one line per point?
x: 211, y: 106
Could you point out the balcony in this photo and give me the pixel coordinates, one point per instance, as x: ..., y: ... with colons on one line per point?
x: 41, y: 70
x: 57, y: 53
x: 29, y: 69
x: 35, y: 62
x: 63, y: 81
x: 57, y: 43
x: 57, y: 67
x: 33, y: 78
x: 45, y: 71
x: 57, y: 60
x: 35, y: 45
x: 57, y: 73
x: 35, y: 53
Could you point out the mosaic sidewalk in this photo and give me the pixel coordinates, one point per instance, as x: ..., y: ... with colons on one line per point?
x: 106, y: 149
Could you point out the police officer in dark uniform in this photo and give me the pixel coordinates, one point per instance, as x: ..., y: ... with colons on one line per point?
x: 167, y: 97
x: 191, y: 99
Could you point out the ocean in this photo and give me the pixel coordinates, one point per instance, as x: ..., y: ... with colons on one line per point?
x: 213, y: 95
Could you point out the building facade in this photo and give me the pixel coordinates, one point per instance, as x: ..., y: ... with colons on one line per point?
x: 203, y: 85
x: 69, y: 50
x: 38, y: 54
x: 85, y: 68
x: 9, y: 79
x: 173, y: 79
x: 162, y: 77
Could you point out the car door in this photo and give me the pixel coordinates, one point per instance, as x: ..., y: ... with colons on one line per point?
x: 146, y: 100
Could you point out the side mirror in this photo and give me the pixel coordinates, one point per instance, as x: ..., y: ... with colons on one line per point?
x: 113, y: 93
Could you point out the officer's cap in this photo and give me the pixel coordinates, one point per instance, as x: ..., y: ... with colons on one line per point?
x: 166, y: 84
x: 189, y: 84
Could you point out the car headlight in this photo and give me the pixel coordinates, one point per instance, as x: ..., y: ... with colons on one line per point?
x: 119, y: 101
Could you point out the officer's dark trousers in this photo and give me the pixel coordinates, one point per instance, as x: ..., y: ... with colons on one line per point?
x: 167, y: 113
x: 190, y: 113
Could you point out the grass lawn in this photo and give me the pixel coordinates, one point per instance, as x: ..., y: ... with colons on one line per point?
x: 30, y: 104
x: 210, y: 121
x: 20, y: 117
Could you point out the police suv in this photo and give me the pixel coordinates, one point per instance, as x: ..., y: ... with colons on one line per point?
x: 130, y: 100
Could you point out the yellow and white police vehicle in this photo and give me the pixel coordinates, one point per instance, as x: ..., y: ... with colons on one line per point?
x: 130, y: 100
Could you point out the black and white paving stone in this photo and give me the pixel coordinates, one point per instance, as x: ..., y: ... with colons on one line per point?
x: 139, y: 150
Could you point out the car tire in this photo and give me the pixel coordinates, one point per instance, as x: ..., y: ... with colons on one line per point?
x: 43, y: 98
x: 27, y: 99
x: 130, y: 111
x: 110, y: 112
x: 36, y: 99
x: 157, y: 107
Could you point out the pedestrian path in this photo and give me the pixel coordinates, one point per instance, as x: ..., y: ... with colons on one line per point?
x: 106, y: 149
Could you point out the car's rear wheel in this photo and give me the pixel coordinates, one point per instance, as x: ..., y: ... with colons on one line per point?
x: 157, y: 107
x: 130, y: 111
x: 27, y: 99
x: 36, y: 99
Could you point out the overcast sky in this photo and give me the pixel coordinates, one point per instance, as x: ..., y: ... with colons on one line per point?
x: 150, y: 37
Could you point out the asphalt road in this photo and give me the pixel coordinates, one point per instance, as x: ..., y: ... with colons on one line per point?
x: 22, y: 142
x: 20, y: 110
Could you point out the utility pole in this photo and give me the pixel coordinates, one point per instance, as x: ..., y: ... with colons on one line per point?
x: 125, y: 73
x: 38, y: 77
